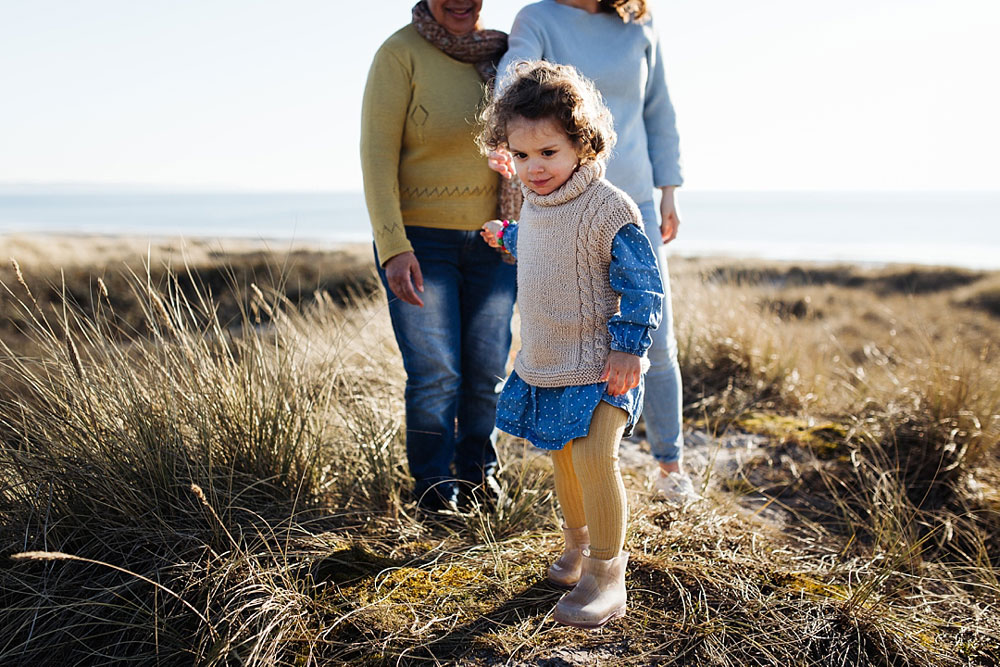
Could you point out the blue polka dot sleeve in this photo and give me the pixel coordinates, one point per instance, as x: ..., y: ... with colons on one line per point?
x: 635, y: 276
x: 510, y: 238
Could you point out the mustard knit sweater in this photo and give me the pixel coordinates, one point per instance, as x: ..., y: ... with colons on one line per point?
x: 419, y: 159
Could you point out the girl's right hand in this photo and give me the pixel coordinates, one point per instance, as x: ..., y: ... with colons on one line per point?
x: 500, y: 161
x: 622, y: 372
x: 489, y: 233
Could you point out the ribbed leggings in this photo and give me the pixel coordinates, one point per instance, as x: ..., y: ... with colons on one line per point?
x: 589, y: 482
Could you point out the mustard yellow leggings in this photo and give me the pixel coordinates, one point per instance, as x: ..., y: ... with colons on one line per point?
x: 589, y: 482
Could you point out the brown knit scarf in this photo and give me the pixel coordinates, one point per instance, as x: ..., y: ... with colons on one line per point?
x: 483, y: 49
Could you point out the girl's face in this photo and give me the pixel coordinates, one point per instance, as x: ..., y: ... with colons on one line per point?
x: 459, y: 17
x: 544, y: 156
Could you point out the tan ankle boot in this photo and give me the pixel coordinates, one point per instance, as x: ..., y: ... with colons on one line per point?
x: 565, y: 572
x: 600, y: 595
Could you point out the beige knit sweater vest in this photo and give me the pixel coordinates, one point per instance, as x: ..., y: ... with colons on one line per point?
x: 563, y: 289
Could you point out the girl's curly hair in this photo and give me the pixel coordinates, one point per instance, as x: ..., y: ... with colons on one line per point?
x: 538, y: 89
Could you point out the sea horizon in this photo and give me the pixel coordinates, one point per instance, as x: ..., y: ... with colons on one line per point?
x: 953, y: 228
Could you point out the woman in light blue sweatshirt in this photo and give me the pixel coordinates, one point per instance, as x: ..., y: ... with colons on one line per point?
x: 614, y: 43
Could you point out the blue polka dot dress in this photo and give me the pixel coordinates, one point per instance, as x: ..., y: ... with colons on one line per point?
x: 549, y: 417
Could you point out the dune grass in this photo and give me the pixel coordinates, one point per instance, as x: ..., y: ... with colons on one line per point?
x: 180, y: 487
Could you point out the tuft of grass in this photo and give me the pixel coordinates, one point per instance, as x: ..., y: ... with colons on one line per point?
x: 983, y: 295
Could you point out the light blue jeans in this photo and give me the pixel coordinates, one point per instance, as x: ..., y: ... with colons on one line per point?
x: 662, y: 411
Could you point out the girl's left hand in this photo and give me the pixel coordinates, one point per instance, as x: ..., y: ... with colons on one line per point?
x: 489, y: 233
x: 622, y: 372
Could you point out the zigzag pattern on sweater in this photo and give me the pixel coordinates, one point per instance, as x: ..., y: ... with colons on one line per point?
x: 389, y: 228
x: 446, y: 191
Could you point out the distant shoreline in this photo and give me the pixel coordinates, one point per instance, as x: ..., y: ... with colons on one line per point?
x: 43, y: 251
x: 868, y: 228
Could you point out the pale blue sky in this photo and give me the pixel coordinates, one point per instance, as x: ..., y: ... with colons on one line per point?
x: 774, y: 94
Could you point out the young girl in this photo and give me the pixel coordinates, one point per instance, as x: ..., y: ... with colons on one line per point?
x: 589, y: 294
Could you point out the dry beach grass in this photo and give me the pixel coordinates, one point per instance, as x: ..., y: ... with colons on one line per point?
x: 205, y: 466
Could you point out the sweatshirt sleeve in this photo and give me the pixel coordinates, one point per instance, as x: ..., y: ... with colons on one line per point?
x: 383, y: 118
x: 524, y: 43
x: 660, y: 119
x: 635, y: 276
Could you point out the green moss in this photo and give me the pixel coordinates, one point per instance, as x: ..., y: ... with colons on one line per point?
x: 823, y: 439
x: 805, y: 585
x: 411, y: 585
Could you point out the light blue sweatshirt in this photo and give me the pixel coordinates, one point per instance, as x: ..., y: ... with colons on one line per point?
x: 624, y: 61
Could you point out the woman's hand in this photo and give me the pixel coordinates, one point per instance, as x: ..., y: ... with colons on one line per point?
x: 402, y: 272
x: 500, y: 161
x: 669, y: 219
x: 622, y: 372
x: 489, y: 233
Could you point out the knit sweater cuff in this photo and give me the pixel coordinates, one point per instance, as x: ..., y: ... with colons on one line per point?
x: 391, y: 250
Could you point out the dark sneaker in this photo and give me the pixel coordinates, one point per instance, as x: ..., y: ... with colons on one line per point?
x: 440, y: 498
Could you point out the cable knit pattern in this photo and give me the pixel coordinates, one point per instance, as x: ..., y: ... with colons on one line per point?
x: 564, y: 292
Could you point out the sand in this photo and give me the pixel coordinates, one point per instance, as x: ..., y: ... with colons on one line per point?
x: 43, y: 251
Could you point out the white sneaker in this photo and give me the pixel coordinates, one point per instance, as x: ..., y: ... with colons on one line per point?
x: 676, y: 488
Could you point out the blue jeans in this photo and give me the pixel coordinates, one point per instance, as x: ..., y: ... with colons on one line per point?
x: 662, y: 411
x: 454, y: 351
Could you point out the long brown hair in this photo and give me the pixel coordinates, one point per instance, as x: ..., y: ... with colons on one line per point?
x: 627, y: 10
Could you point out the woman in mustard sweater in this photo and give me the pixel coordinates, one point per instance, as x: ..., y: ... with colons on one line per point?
x: 428, y: 193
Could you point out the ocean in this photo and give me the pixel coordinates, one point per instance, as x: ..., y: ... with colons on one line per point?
x: 935, y: 228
